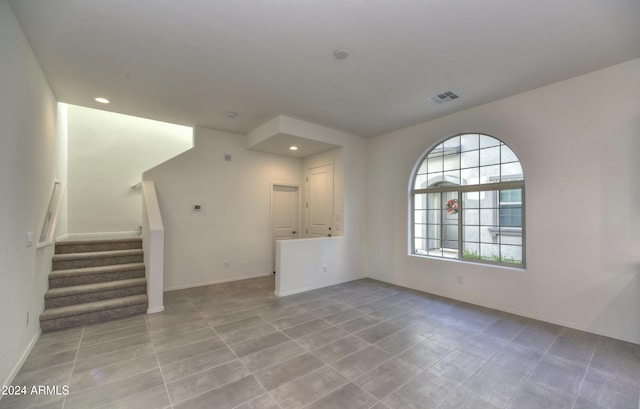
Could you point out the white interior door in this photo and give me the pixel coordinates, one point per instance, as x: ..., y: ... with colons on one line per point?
x: 284, y: 215
x: 319, y: 201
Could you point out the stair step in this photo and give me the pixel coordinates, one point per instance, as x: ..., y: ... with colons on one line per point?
x: 79, y: 294
x: 88, y: 246
x: 88, y: 313
x: 92, y: 275
x: 96, y: 258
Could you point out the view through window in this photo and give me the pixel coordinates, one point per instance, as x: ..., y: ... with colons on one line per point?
x: 468, y: 202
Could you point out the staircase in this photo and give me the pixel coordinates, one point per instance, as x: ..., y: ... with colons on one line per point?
x: 94, y: 281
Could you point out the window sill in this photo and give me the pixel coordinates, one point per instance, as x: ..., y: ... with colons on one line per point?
x: 472, y: 262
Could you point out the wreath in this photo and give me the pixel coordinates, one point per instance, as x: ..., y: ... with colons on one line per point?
x: 452, y: 206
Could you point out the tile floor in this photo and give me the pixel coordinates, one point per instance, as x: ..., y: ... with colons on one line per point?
x: 363, y: 344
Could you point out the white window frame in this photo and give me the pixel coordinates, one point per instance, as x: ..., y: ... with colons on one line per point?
x: 494, y: 186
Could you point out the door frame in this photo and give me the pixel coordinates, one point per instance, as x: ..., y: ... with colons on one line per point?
x: 272, y: 185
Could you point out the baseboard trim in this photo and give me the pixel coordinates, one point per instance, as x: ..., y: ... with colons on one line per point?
x: 315, y: 287
x: 155, y: 310
x: 22, y: 359
x: 525, y: 314
x: 226, y: 280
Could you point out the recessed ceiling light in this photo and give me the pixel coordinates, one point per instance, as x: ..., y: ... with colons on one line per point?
x: 293, y: 148
x: 102, y: 100
x: 341, y: 54
x: 232, y: 114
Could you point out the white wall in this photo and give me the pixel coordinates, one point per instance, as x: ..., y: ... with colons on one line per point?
x: 62, y: 227
x: 27, y: 172
x: 578, y: 141
x: 234, y: 223
x: 307, y: 264
x: 350, y: 185
x: 108, y: 153
x: 300, y: 263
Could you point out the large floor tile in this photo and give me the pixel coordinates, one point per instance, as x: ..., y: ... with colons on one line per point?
x: 399, y: 342
x: 425, y: 391
x: 377, y: 332
x: 347, y: 397
x: 572, y: 349
x: 341, y: 348
x: 386, y: 378
x: 198, y: 363
x: 360, y: 362
x: 97, y: 376
x: 426, y: 353
x: 306, y: 389
x: 464, y: 400
x: 190, y: 350
x: 559, y: 374
x: 458, y: 366
x: 104, y: 396
x: 518, y: 358
x: 226, y: 397
x: 288, y: 370
x: 608, y: 391
x: 206, y: 380
x: 261, y: 360
x: 259, y: 344
x: 495, y: 384
x: 321, y: 338
x: 361, y: 344
x: 534, y: 395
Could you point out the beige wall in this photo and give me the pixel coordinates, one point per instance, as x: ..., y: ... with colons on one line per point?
x: 28, y: 168
x: 234, y: 223
x: 578, y: 143
x: 108, y: 153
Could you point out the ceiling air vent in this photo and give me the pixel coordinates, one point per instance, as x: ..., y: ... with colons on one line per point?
x: 444, y: 97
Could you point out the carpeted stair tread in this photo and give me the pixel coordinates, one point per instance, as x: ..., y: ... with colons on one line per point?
x: 91, y: 307
x: 96, y: 258
x: 95, y: 281
x: 97, y: 254
x: 95, y: 270
x: 83, y: 246
x: 94, y: 288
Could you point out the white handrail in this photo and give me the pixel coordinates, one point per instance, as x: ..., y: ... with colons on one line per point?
x: 153, y: 243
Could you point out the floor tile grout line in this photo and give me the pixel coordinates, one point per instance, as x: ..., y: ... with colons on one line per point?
x: 466, y: 318
x: 305, y: 351
x: 528, y: 375
x: 593, y: 353
x: 113, y: 330
x: 164, y: 381
x: 64, y: 401
x: 337, y: 389
x: 248, y: 370
x: 115, y: 339
x: 324, y: 395
x: 422, y: 371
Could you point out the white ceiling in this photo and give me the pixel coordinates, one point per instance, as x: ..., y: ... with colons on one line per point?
x: 191, y: 61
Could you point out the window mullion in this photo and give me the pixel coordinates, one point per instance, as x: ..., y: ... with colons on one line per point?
x: 473, y: 188
x: 460, y: 221
x: 444, y: 179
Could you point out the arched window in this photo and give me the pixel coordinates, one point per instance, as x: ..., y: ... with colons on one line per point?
x: 467, y: 202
